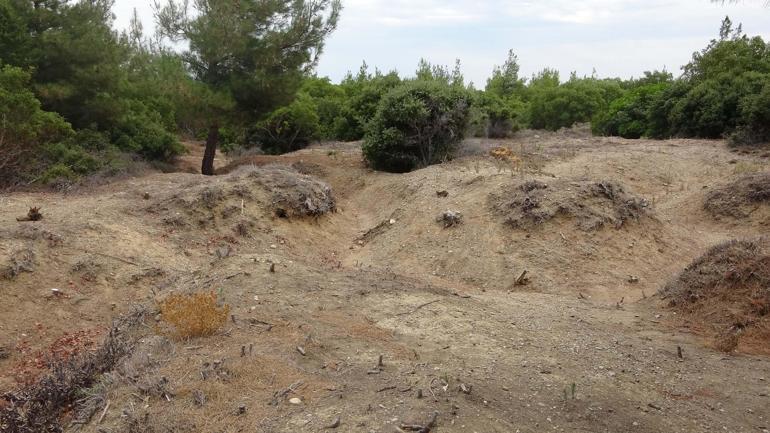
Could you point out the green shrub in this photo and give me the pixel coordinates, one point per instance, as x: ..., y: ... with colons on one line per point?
x: 140, y: 129
x: 364, y: 93
x: 24, y: 127
x: 416, y: 124
x: 289, y: 128
x: 576, y: 101
x: 504, y: 115
x: 754, y: 124
x: 721, y: 94
x: 628, y: 116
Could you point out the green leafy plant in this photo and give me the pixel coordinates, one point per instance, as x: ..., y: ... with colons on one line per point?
x: 417, y: 124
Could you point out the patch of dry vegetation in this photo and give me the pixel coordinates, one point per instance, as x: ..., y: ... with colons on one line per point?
x: 194, y: 315
x: 726, y: 292
x: 295, y: 194
x: 37, y: 407
x: 592, y: 205
x: 235, y: 199
x: 740, y: 198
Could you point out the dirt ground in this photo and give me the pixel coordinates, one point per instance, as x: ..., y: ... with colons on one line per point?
x: 582, y: 343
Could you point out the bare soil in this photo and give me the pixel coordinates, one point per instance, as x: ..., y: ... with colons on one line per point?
x: 318, y: 297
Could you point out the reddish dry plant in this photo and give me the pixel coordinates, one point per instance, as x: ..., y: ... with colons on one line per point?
x: 35, y: 363
x: 195, y: 314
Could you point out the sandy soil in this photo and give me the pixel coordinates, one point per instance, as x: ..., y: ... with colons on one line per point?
x: 585, y: 346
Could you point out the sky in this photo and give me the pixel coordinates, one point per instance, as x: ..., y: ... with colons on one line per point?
x: 620, y: 38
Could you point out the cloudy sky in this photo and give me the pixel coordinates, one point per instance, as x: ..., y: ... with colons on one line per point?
x: 614, y: 37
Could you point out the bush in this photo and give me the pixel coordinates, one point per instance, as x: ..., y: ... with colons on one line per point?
x: 628, y: 116
x: 754, y: 124
x: 194, y: 315
x: 416, y: 124
x: 576, y: 101
x: 289, y: 128
x: 364, y: 93
x: 24, y: 127
x: 723, y: 93
x: 503, y: 116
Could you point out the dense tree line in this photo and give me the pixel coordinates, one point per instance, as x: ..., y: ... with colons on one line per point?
x: 77, y: 97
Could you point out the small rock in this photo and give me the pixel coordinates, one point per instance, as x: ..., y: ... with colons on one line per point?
x: 392, y: 221
x: 158, y: 317
x: 633, y: 279
x: 295, y: 400
x: 273, y: 246
x: 450, y: 218
x: 146, y: 196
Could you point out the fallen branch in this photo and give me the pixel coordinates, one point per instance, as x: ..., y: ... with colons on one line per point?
x: 104, y: 412
x: 280, y: 395
x: 522, y: 279
x: 414, y: 310
x: 109, y: 257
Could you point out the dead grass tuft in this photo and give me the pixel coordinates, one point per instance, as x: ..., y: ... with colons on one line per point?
x: 727, y: 292
x: 740, y: 198
x: 194, y: 315
x: 591, y: 204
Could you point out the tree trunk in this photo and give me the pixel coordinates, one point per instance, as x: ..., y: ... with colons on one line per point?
x: 207, y: 168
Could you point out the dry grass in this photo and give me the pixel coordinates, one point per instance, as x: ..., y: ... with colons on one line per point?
x: 740, y: 198
x: 194, y: 315
x: 590, y: 204
x: 726, y: 292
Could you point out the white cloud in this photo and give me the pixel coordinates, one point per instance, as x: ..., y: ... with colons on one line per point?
x: 617, y: 37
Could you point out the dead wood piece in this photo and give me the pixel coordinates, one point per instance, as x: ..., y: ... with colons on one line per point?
x: 280, y: 395
x: 522, y: 279
x: 104, y: 412
x: 414, y: 310
x: 301, y: 350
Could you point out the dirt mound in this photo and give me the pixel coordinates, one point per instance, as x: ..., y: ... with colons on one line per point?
x: 294, y: 193
x: 591, y: 204
x: 276, y: 189
x: 740, y: 198
x: 727, y: 293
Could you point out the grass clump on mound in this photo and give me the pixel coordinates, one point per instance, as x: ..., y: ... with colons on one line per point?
x: 726, y: 292
x: 740, y: 198
x: 592, y: 205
